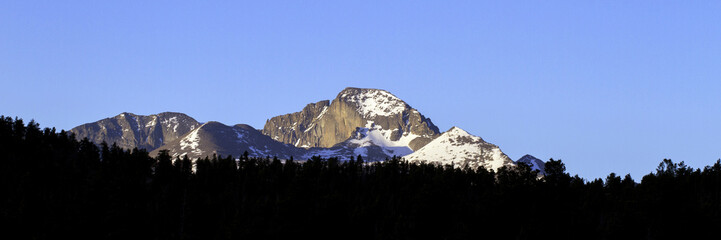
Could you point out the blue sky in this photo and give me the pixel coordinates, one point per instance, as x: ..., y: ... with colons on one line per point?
x: 606, y: 86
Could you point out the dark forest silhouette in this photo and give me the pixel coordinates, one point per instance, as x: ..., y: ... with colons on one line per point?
x: 55, y: 186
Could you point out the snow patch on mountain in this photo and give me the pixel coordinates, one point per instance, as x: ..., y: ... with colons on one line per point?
x: 191, y: 142
x: 320, y: 115
x: 498, y: 159
x: 375, y: 102
x: 152, y: 123
x: 171, y: 122
x: 259, y: 152
x: 375, y: 135
x: 325, y: 110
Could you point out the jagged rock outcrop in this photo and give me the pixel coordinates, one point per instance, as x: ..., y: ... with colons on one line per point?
x: 129, y: 130
x: 461, y: 149
x: 290, y: 128
x: 353, y: 110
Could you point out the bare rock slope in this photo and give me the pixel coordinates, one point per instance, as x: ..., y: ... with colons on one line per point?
x: 129, y: 130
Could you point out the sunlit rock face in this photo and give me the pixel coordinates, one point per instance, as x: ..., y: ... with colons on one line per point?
x: 355, y: 113
x: 129, y: 130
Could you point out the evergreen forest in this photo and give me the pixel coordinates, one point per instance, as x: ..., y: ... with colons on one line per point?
x: 54, y: 186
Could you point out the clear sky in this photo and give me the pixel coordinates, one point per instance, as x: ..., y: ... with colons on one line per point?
x: 606, y: 86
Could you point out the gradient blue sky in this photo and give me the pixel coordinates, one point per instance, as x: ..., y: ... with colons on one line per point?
x: 606, y: 86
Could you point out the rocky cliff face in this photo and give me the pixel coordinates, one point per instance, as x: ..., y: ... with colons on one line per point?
x: 129, y: 130
x: 354, y: 110
x: 291, y: 128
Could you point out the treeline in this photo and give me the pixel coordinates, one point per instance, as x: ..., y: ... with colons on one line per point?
x: 54, y: 186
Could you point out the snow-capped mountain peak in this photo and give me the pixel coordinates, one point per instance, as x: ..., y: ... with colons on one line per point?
x: 373, y: 102
x: 460, y: 133
x: 460, y: 148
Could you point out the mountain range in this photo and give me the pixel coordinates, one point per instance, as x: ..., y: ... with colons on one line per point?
x: 372, y: 123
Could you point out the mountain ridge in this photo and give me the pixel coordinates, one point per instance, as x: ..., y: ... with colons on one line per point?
x: 372, y: 123
x: 130, y: 130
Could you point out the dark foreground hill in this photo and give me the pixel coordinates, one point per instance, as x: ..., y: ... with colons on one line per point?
x: 56, y: 187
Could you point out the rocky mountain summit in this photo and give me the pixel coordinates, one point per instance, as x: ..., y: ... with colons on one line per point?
x: 325, y: 124
x: 129, y: 130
